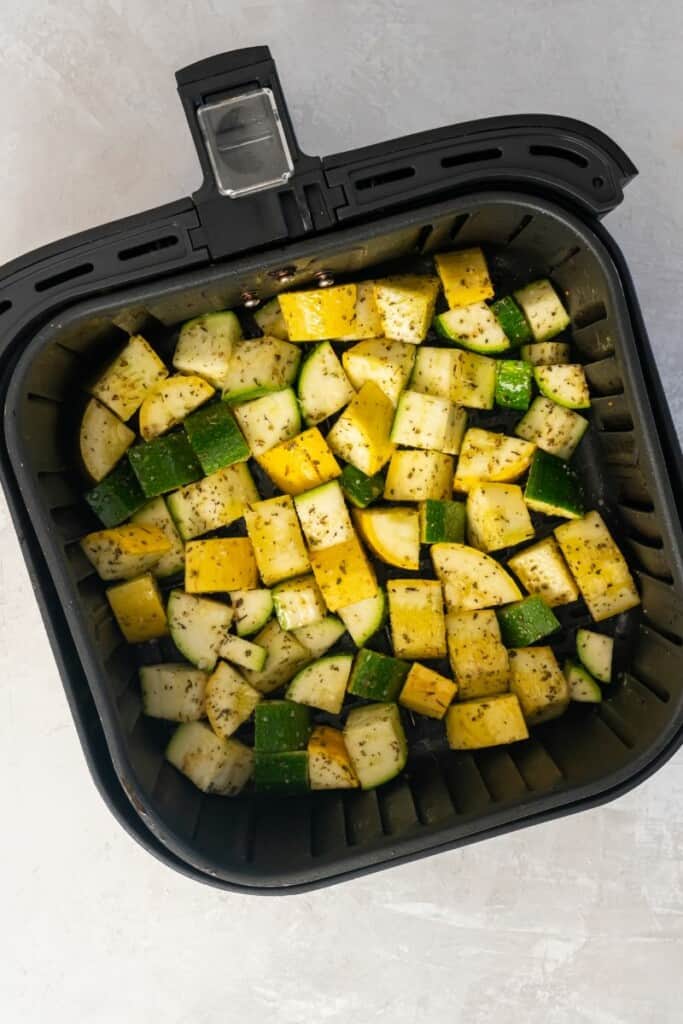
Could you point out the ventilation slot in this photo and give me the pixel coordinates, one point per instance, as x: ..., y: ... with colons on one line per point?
x: 619, y: 447
x: 430, y: 793
x: 458, y: 224
x: 612, y: 413
x: 363, y: 821
x: 468, y: 790
x: 384, y: 178
x: 615, y: 723
x: 522, y: 226
x: 328, y: 825
x: 604, y: 377
x: 663, y: 609
x: 145, y: 248
x: 558, y: 153
x: 500, y: 775
x: 652, y: 559
x: 476, y: 156
x: 396, y: 807
x: 423, y: 237
x: 590, y: 315
x: 565, y: 258
x: 644, y: 526
x: 5, y: 306
x: 66, y: 275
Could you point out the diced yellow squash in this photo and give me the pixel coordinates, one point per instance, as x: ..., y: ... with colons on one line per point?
x: 271, y: 321
x: 361, y: 434
x: 103, y: 439
x: 155, y: 513
x: 138, y: 609
x: 393, y: 534
x: 304, y: 462
x: 487, y: 457
x: 319, y: 314
x: 478, y: 658
x: 464, y: 276
x: 539, y: 683
x: 497, y: 516
x: 344, y: 574
x: 170, y: 402
x: 387, y: 363
x: 278, y: 543
x: 427, y: 692
x: 542, y: 570
x: 220, y: 564
x: 473, y: 383
x: 471, y: 579
x: 324, y: 516
x: 124, y: 384
x: 418, y: 627
x: 229, y: 700
x: 285, y: 657
x: 367, y: 322
x: 418, y: 476
x: 489, y: 722
x: 329, y: 764
x: 598, y: 566
x: 124, y: 551
x: 406, y: 306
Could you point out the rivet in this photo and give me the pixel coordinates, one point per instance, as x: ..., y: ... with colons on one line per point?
x: 250, y: 300
x: 284, y: 275
x: 324, y: 279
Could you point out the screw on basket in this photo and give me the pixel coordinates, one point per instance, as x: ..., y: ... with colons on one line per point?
x: 284, y: 276
x: 324, y: 279
x: 250, y: 300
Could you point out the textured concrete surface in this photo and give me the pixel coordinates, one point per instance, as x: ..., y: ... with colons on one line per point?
x: 576, y: 922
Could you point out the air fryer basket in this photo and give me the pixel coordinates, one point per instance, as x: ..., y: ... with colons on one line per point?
x: 530, y: 189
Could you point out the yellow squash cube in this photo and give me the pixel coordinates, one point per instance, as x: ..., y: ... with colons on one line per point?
x: 367, y: 322
x: 344, y: 574
x: 490, y: 722
x: 329, y: 764
x: 542, y: 570
x: 406, y: 306
x: 464, y: 276
x: 539, y: 683
x: 220, y: 564
x: 304, y: 462
x: 477, y: 655
x: 125, y: 551
x: 598, y: 566
x: 319, y: 314
x: 126, y: 381
x: 497, y: 517
x: 278, y: 543
x: 361, y: 434
x: 138, y: 609
x: 418, y: 626
x: 488, y: 457
x: 387, y: 363
x: 418, y: 476
x: 427, y: 692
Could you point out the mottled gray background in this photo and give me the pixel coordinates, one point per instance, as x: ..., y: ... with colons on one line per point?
x: 576, y: 922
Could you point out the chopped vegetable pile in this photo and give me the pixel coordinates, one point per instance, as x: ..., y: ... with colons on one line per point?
x: 251, y: 497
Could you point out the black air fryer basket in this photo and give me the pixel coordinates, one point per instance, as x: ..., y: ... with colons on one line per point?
x: 532, y: 191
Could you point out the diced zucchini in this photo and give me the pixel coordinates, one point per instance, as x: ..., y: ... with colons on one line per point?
x: 298, y: 603
x: 216, y: 439
x: 418, y: 627
x: 406, y: 306
x: 270, y: 320
x: 564, y: 384
x: 267, y: 421
x: 361, y: 434
x: 543, y: 309
x: 434, y: 371
x: 138, y: 609
x: 497, y: 517
x: 487, y: 457
x: 323, y: 387
x: 198, y: 627
x: 163, y: 464
x: 473, y: 383
x: 478, y: 658
x: 427, y: 692
x: 155, y: 514
x: 285, y: 774
x: 324, y: 516
x: 329, y: 764
x: 319, y: 314
x: 582, y: 686
x: 167, y: 405
x: 598, y: 566
x: 320, y: 636
x: 393, y: 534
x: 361, y: 490
x: 220, y: 564
x: 424, y: 421
x: 213, y: 764
x: 555, y: 430
x: 116, y: 497
x: 124, y: 384
x: 537, y: 681
x: 301, y: 463
x: 464, y: 276
x: 216, y: 501
x: 344, y: 574
x: 474, y: 327
x: 103, y: 439
x: 526, y: 621
x: 553, y: 487
x: 258, y: 367
x: 595, y: 651
x: 388, y: 364
x: 418, y: 476
x: 205, y: 346
x: 252, y: 609
x: 274, y: 531
x: 367, y: 322
x: 377, y: 676
x: 242, y: 652
x: 285, y: 657
x: 281, y: 725
x: 173, y: 691
x: 542, y: 570
x: 364, y: 618
x: 376, y: 743
x: 442, y: 521
x: 471, y: 579
x: 229, y: 700
x: 323, y: 683
x: 514, y: 378
x: 489, y: 722
x: 546, y: 353
x: 512, y: 320
x: 124, y: 551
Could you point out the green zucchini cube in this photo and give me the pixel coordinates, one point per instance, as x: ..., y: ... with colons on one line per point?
x: 284, y: 773
x: 281, y: 725
x: 216, y: 439
x: 553, y: 487
x: 116, y: 497
x: 527, y: 621
x: 512, y: 320
x: 164, y: 464
x: 361, y: 490
x: 377, y: 676
x: 514, y: 380
x: 442, y: 521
